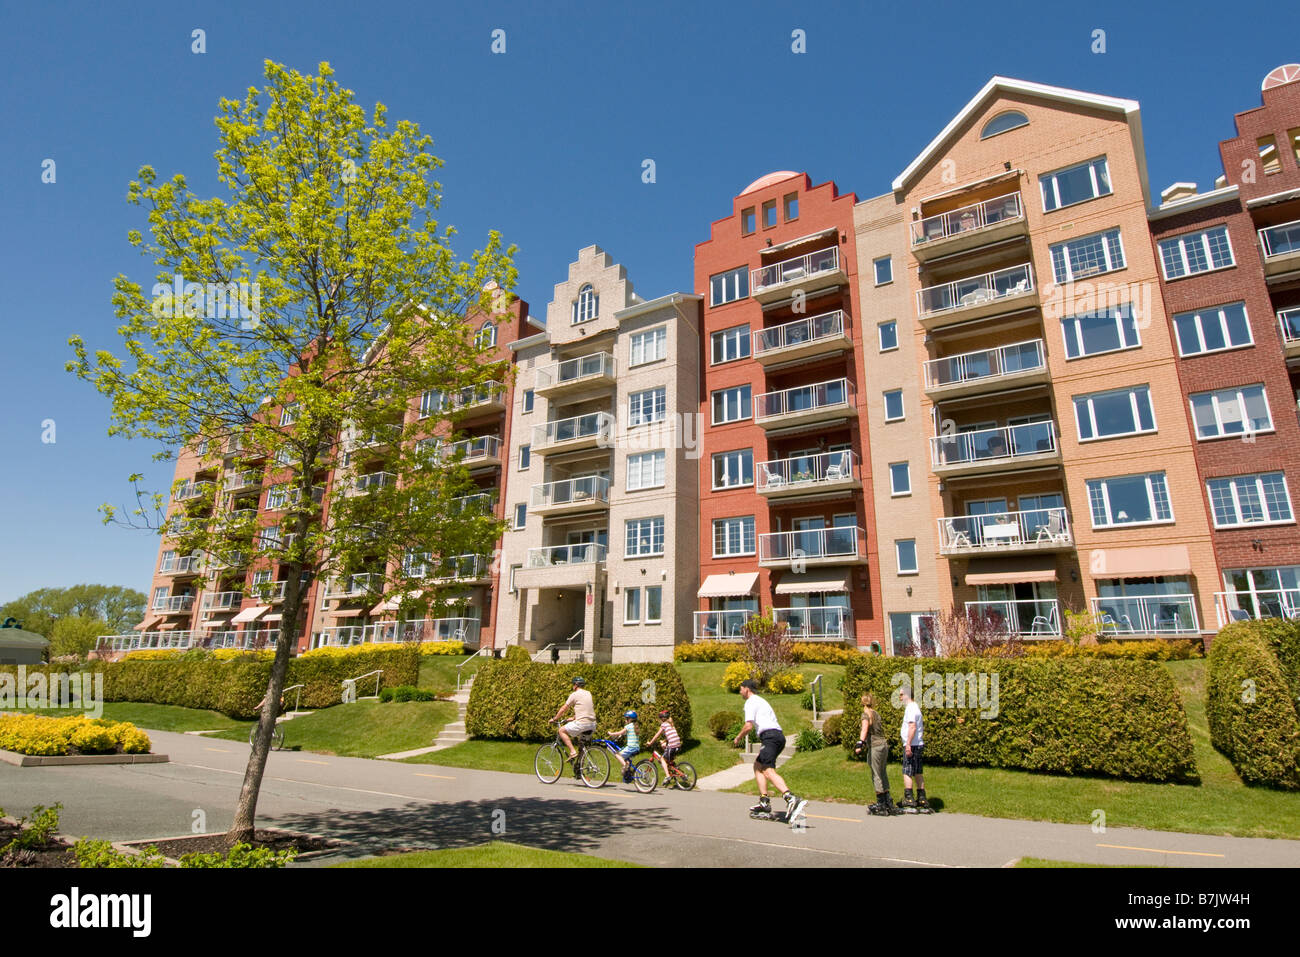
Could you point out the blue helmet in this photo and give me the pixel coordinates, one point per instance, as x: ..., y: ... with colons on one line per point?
x: 630, y: 714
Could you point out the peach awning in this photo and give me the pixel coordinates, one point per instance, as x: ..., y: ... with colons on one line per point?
x: 1147, y: 561
x: 833, y: 579
x: 251, y: 614
x: 1011, y: 570
x: 728, y: 586
x: 345, y: 612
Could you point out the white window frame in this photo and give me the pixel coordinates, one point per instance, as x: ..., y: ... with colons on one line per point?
x: 520, y: 508
x: 736, y: 337
x: 902, y: 408
x: 907, y: 471
x: 727, y: 402
x: 739, y: 524
x: 1239, y: 394
x: 657, y: 398
x: 637, y: 466
x: 587, y: 306
x: 726, y: 458
x: 1199, y: 318
x: 1133, y: 392
x: 898, y: 556
x: 1046, y: 179
x: 880, y: 334
x: 1202, y: 236
x: 1152, y: 500
x: 650, y: 345
x: 1112, y: 247
x: 530, y: 397
x: 289, y: 414
x: 731, y: 281
x: 1258, y: 479
x: 875, y: 270
x: 525, y: 457
x: 487, y: 335
x: 628, y: 595
x: 659, y: 619
x: 641, y: 531
x: 428, y: 405
x: 1072, y: 331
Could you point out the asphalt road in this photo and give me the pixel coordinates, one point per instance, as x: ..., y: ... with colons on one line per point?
x: 389, y: 805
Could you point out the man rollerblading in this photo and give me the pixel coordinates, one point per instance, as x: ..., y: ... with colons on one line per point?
x: 760, y: 717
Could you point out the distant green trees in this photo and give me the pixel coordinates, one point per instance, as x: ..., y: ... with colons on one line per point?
x: 74, y: 617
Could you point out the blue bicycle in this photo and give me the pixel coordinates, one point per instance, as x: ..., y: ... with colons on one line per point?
x: 642, y: 773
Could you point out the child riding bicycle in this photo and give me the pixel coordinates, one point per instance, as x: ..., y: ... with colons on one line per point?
x: 631, y: 746
x: 672, y: 742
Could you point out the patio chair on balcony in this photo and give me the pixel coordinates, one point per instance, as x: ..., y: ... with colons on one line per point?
x: 1109, y: 622
x: 957, y: 537
x: 1238, y: 614
x: 1053, y: 532
x: 1042, y: 626
x: 840, y: 470
x: 773, y: 479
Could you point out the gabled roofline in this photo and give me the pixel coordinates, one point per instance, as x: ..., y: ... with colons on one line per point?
x: 1004, y: 84
x: 1198, y: 201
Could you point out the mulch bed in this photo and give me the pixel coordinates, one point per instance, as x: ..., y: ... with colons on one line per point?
x: 208, y: 843
x: 53, y: 854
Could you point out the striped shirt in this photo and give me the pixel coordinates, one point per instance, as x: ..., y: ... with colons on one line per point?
x: 671, y: 737
x: 633, y: 740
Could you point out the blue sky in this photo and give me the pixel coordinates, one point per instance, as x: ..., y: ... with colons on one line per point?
x: 544, y: 142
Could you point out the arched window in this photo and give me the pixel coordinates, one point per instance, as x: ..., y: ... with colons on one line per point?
x: 487, y: 335
x: 587, y: 304
x: 1003, y: 122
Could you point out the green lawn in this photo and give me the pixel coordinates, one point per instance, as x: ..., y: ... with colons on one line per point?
x: 1043, y: 862
x: 157, y: 717
x: 1221, y: 804
x: 362, y: 730
x: 438, y: 672
x: 496, y: 854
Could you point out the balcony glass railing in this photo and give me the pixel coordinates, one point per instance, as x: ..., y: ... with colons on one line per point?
x: 841, y: 542
x: 1280, y: 240
x: 481, y: 394
x: 793, y: 270
x: 966, y: 219
x: 173, y: 604
x: 222, y: 600
x: 1146, y: 614
x: 1027, y: 618
x: 816, y: 623
x: 238, y: 481
x: 461, y: 568
x: 721, y: 625
x: 192, y: 490
x: 181, y: 564
x: 594, y: 366
x: 270, y: 591
x: 1009, y: 442
x: 354, y: 585
x: 374, y: 480
x: 1263, y: 603
x: 480, y: 503
x: 986, y: 364
x: 1289, y: 320
x: 1001, y: 530
x: 470, y: 450
x: 585, y: 554
x: 827, y: 326
x: 804, y: 398
x: 594, y: 424
x: 975, y: 290
x: 588, y: 490
x: 806, y: 471
x: 387, y: 632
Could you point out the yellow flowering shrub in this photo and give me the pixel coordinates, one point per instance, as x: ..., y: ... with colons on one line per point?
x: 785, y: 682
x: 40, y: 735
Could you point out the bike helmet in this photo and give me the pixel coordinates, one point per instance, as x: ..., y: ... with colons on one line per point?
x: 663, y: 713
x: 630, y: 714
x: 579, y: 680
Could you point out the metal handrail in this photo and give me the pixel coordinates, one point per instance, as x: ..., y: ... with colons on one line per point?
x: 350, y: 685
x: 481, y: 651
x: 1288, y: 233
x: 816, y: 688
x: 297, y: 701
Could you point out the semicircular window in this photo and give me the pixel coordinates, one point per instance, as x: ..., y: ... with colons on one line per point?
x: 1003, y: 122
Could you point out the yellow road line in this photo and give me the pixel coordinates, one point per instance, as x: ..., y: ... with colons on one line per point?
x: 310, y: 761
x: 823, y: 817
x: 443, y: 777
x: 222, y: 750
x: 1160, y: 850
x: 600, y: 791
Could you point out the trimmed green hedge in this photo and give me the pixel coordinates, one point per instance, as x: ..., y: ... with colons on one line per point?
x: 234, y: 687
x: 1122, y: 719
x: 1284, y: 638
x: 513, y: 700
x: 1250, y: 705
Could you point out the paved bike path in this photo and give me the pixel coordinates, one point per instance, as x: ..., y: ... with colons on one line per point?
x: 389, y: 805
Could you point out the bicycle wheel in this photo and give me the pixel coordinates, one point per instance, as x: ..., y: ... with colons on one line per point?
x: 687, y: 781
x: 277, y: 738
x: 594, y: 767
x: 549, y: 763
x: 645, y: 776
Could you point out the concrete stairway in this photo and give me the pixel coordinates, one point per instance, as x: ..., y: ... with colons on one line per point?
x: 451, y: 734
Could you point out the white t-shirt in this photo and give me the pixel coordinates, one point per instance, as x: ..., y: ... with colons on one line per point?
x: 912, y: 713
x: 584, y: 708
x: 761, y: 714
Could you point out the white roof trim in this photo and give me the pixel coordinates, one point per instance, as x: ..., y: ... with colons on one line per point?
x: 1193, y: 202
x: 672, y: 299
x: 1003, y: 83
x: 1175, y: 187
x: 537, y: 340
x: 1272, y: 197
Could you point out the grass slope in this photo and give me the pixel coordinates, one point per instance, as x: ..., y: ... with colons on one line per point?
x: 495, y: 854
x: 362, y: 730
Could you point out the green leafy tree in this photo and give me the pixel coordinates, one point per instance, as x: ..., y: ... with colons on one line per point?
x: 76, y: 635
x: 39, y: 611
x: 362, y: 308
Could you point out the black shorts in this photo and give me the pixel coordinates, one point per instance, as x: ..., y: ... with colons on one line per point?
x: 912, y: 766
x: 771, y: 744
x: 670, y: 753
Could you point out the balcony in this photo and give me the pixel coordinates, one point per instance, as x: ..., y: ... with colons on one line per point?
x: 595, y: 371
x: 1007, y: 449
x: 825, y: 334
x: 726, y: 625
x: 1022, y: 363
x: 593, y: 430
x: 233, y: 447
x: 476, y: 453
x: 1281, y: 248
x: 376, y: 438
x: 969, y: 227
x: 818, y: 546
x: 389, y: 632
x: 238, y: 516
x: 803, y: 273
x: 804, y: 405
x: 587, y: 553
x: 174, y: 604
x: 1146, y: 615
x: 243, y: 481
x: 1040, y: 530
x: 808, y: 475
x: 192, y: 491
x: 816, y: 623
x: 562, y: 566
x: 571, y: 495
x: 1027, y: 618
x: 354, y: 585
x: 1232, y: 606
x: 976, y: 297
x: 462, y: 568
x: 480, y: 503
x: 272, y: 592
x: 373, y: 480
x: 181, y: 566
x: 150, y: 640
x: 281, y: 498
x: 222, y: 600
x: 486, y: 398
x: 1289, y: 320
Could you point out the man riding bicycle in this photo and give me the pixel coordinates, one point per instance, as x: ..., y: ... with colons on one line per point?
x: 584, y: 717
